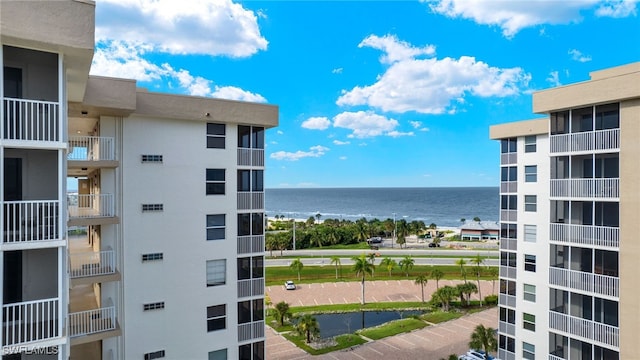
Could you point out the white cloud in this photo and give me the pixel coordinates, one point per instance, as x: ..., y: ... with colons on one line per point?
x: 314, y: 151
x: 430, y: 86
x: 343, y: 158
x: 337, y: 71
x: 364, y: 124
x: 207, y: 27
x: 316, y: 123
x: 279, y: 132
x: 235, y: 93
x: 338, y: 142
x: 418, y: 125
x: 395, y: 50
x: 513, y: 16
x: 554, y: 79
x: 577, y: 55
x: 396, y: 134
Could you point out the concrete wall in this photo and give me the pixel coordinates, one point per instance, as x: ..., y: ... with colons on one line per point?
x: 39, y: 274
x: 39, y: 173
x: 39, y: 72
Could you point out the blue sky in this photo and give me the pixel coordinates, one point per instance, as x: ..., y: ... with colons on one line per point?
x: 371, y: 93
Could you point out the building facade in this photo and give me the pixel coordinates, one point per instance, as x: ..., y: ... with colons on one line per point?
x: 570, y: 191
x: 159, y: 253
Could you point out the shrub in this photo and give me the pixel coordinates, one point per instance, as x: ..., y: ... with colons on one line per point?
x: 491, y: 299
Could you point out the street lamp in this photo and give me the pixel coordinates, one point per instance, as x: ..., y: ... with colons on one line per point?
x: 395, y: 230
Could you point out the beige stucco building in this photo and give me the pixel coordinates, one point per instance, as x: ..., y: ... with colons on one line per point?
x: 570, y: 205
x: 159, y: 252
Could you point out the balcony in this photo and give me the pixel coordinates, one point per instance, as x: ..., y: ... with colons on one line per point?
x: 250, y: 244
x: 506, y: 354
x: 578, y: 280
x: 508, y: 272
x: 92, y: 264
x: 508, y: 300
x: 250, y: 287
x: 91, y: 209
x: 250, y: 200
x: 508, y: 158
x: 250, y: 331
x: 586, y: 141
x: 553, y: 357
x: 588, y: 188
x: 91, y: 148
x: 588, y: 330
x: 29, y: 321
x: 508, y: 187
x: 31, y: 221
x: 602, y: 236
x: 92, y: 322
x: 30, y: 120
x: 507, y: 328
x: 509, y: 215
x: 508, y: 244
x: 251, y: 157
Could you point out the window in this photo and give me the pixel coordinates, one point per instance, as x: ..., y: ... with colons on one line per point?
x: 250, y: 310
x: 530, y: 232
x: 154, y: 355
x: 530, y: 263
x: 215, y: 136
x: 153, y: 306
x: 250, y: 224
x: 509, y: 173
x: 607, y: 116
x: 250, y: 268
x: 530, y: 292
x: 152, y: 207
x: 531, y: 173
x: 152, y: 256
x: 507, y: 315
x: 530, y: 144
x: 508, y: 231
x: 529, y: 321
x: 253, y: 351
x: 528, y: 351
x: 216, y: 317
x: 216, y: 227
x: 218, y: 355
x: 507, y: 343
x: 250, y: 180
x: 508, y: 259
x: 152, y: 158
x: 509, y: 202
x: 507, y: 287
x: 216, y: 272
x: 508, y: 145
x: 250, y: 137
x: 530, y: 203
x: 215, y: 182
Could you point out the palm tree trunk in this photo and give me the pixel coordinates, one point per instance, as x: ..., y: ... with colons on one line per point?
x: 422, y: 293
x: 479, y: 291
x: 363, y: 290
x: 298, y: 276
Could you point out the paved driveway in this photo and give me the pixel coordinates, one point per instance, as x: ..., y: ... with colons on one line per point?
x: 432, y: 342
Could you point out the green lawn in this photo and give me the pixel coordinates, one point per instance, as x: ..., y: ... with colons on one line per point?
x: 393, y: 328
x: 441, y: 316
x: 342, y: 342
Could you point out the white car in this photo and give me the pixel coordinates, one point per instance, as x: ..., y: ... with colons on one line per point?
x: 289, y: 285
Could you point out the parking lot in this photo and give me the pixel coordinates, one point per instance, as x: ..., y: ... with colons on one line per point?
x: 433, y: 342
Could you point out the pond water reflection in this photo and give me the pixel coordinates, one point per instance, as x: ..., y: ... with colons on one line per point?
x: 347, y: 323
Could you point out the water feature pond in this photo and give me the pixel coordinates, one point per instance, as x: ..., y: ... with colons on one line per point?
x: 346, y: 323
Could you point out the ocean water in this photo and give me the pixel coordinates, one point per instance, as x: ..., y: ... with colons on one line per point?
x: 442, y: 206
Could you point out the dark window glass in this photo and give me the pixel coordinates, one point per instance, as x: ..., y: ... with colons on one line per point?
x: 257, y: 138
x: 215, y: 182
x: 257, y: 181
x: 258, y: 309
x: 214, y: 142
x: 244, y: 268
x: 215, y: 129
x: 216, y: 317
x: 244, y: 180
x: 244, y: 352
x: 258, y: 350
x: 244, y: 224
x: 530, y: 263
x: 215, y: 174
x: 244, y: 136
x: 559, y: 122
x: 244, y: 312
x: 257, y: 224
x: 257, y: 267
x: 607, y: 116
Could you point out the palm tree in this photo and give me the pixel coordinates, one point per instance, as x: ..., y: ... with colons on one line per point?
x: 466, y: 290
x: 388, y: 263
x: 297, y: 265
x: 308, y: 327
x: 281, y: 312
x: 444, y: 296
x: 318, y: 216
x: 362, y: 233
x: 335, y: 260
x: 437, y: 274
x: 477, y: 219
x: 406, y: 264
x: 493, y: 272
x: 484, y: 338
x: 478, y: 260
x: 362, y: 267
x: 422, y: 281
x: 372, y: 259
x: 462, y: 262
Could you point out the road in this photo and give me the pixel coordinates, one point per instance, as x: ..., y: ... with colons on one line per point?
x: 347, y: 261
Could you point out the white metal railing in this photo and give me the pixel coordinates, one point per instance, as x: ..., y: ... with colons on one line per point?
x: 508, y: 158
x: 586, y: 141
x: 596, y: 283
x: 506, y: 328
x: 92, y: 263
x: 250, y: 244
x: 508, y: 244
x: 508, y: 272
x: 250, y: 287
x: 92, y: 321
x: 587, y: 329
x: 91, y: 205
x: 553, y: 357
x: 250, y: 200
x: 508, y: 215
x: 91, y: 148
x: 508, y: 300
x: 598, y: 188
x: 251, y: 157
x: 31, y: 120
x: 251, y: 330
x: 506, y: 355
x: 31, y: 221
x: 28, y: 321
x: 508, y: 186
x: 605, y: 236
x: 244, y: 332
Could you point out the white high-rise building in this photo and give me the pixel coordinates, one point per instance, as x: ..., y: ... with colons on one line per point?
x: 570, y: 215
x: 159, y: 253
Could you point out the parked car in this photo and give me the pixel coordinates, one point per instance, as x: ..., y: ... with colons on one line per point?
x: 475, y: 355
x: 375, y: 240
x: 432, y: 244
x: 289, y: 285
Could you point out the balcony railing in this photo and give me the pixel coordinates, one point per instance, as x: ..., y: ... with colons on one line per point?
x: 92, y: 264
x: 92, y: 321
x: 508, y: 187
x: 508, y: 158
x: 508, y: 244
x: 507, y: 328
x: 250, y: 244
x: 508, y: 215
x: 586, y: 235
x: 508, y: 300
x: 91, y: 148
x: 91, y: 205
x: 251, y: 157
x: 31, y: 120
x: 28, y: 221
x: 252, y: 330
x: 591, y: 188
x: 553, y: 357
x: 250, y: 200
x: 29, y: 321
x: 508, y: 272
x: 506, y: 355
x: 586, y: 141
x: 596, y: 283
x: 250, y: 287
x: 587, y: 329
